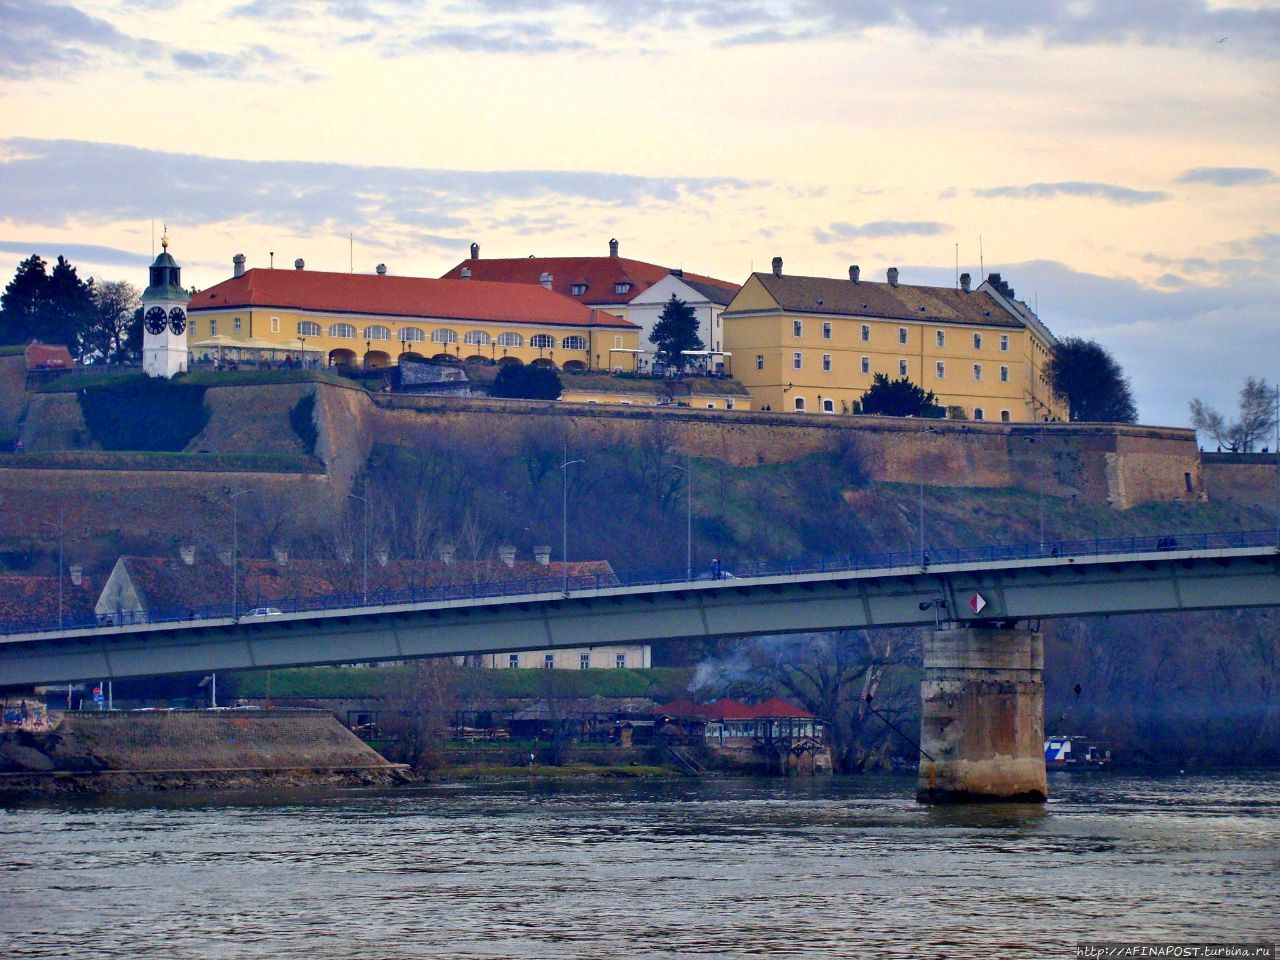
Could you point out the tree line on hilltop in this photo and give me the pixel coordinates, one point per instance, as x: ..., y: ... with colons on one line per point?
x: 98, y: 321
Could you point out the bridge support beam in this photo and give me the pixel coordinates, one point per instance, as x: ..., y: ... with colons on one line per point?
x: 982, y: 717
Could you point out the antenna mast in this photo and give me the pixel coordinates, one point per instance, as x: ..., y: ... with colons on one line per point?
x: 982, y: 264
x: 351, y: 253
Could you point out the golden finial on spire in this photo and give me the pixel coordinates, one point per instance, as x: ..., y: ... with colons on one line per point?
x: 164, y: 239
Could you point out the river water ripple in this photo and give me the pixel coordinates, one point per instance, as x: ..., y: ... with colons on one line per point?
x: 848, y: 867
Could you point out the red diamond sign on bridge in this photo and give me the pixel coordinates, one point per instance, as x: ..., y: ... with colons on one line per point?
x: 977, y: 603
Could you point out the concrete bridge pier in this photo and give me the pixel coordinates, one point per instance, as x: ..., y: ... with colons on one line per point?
x: 982, y: 716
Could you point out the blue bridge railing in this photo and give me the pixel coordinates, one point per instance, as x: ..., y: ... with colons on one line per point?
x: 558, y: 583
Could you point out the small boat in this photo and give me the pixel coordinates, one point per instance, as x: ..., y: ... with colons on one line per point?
x: 1075, y: 753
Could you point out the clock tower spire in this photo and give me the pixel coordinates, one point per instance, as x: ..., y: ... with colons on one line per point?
x: 164, y: 317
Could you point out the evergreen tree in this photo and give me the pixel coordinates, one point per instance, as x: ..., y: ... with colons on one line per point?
x: 675, y: 332
x: 898, y: 398
x: 22, y: 302
x: 1090, y: 381
x: 70, y: 309
x: 519, y: 382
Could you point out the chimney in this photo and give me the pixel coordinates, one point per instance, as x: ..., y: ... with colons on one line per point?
x: 466, y: 273
x: 77, y: 574
x: 224, y: 557
x: 677, y: 271
x: 613, y: 248
x: 893, y: 276
x: 777, y: 266
x: 507, y: 554
x: 855, y: 272
x: 445, y: 552
x: 545, y: 280
x: 281, y: 555
x: 237, y: 265
x: 382, y: 269
x: 542, y: 554
x: 299, y: 264
x: 965, y: 282
x: 187, y: 551
x: 382, y: 555
x: 475, y: 251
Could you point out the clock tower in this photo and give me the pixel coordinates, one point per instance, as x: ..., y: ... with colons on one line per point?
x: 164, y: 318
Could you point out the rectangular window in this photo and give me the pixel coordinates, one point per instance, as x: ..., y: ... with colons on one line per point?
x: 1004, y: 342
x: 942, y: 370
x: 866, y: 333
x: 759, y: 361
x: 711, y: 406
x: 977, y: 371
x: 942, y: 338
x: 549, y: 661
x: 236, y: 325
x: 728, y: 404
x: 826, y: 362
x: 275, y: 324
x: 617, y: 342
x: 797, y: 328
x: 797, y: 361
x: 826, y: 330
x: 977, y: 341
x: 213, y: 328
x: 902, y: 335
x: 513, y: 660
x: 1004, y: 374
x: 978, y: 414
x: 866, y: 364
x: 584, y: 661
x: 620, y: 660
x: 191, y: 329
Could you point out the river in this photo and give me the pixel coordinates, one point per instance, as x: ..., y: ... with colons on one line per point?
x: 848, y: 867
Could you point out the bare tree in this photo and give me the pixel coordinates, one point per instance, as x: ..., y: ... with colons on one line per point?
x: 420, y: 702
x: 1256, y: 421
x: 110, y: 335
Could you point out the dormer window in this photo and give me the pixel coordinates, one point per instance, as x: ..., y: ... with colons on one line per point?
x: 578, y: 289
x: 621, y: 287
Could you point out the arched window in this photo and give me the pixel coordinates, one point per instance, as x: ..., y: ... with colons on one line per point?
x: 574, y: 343
x: 828, y: 406
x: 476, y: 338
x: 342, y: 331
x: 308, y: 328
x: 510, y: 340
x: 978, y: 414
x: 411, y: 334
x: 1004, y: 416
x: 799, y: 404
x: 443, y: 335
x: 377, y: 332
x: 544, y: 340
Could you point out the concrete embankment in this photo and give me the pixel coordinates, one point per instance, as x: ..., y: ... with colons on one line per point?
x: 167, y: 750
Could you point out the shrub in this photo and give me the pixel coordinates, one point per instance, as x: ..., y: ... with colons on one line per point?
x: 519, y: 382
x: 301, y: 418
x: 143, y: 413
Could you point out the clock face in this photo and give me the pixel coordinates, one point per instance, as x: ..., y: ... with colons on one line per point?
x: 156, y: 320
x: 177, y: 320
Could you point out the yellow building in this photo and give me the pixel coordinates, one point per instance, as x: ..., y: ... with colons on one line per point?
x: 348, y: 319
x: 813, y: 344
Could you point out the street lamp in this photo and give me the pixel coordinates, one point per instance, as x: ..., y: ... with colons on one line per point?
x: 62, y: 517
x: 564, y: 516
x: 924, y: 558
x: 235, y: 554
x: 365, y: 594
x: 1043, y: 456
x: 687, y: 470
x: 303, y: 361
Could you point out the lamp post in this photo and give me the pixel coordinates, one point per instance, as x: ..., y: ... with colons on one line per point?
x: 303, y: 359
x: 1040, y: 479
x: 62, y: 517
x: 924, y: 558
x: 564, y: 516
x: 687, y: 470
x: 235, y: 554
x: 365, y: 592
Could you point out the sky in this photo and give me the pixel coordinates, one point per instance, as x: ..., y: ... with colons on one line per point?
x: 1117, y: 161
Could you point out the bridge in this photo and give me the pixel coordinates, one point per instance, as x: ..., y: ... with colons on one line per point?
x: 977, y: 656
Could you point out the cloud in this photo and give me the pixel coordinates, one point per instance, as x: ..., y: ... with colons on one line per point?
x: 1125, y: 196
x: 491, y: 38
x: 880, y: 228
x: 54, y: 183
x: 1228, y: 176
x: 75, y: 252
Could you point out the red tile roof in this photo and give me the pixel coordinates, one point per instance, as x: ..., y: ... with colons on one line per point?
x: 600, y: 274
x: 416, y: 298
x: 47, y: 356
x: 733, y: 710
x: 35, y: 599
